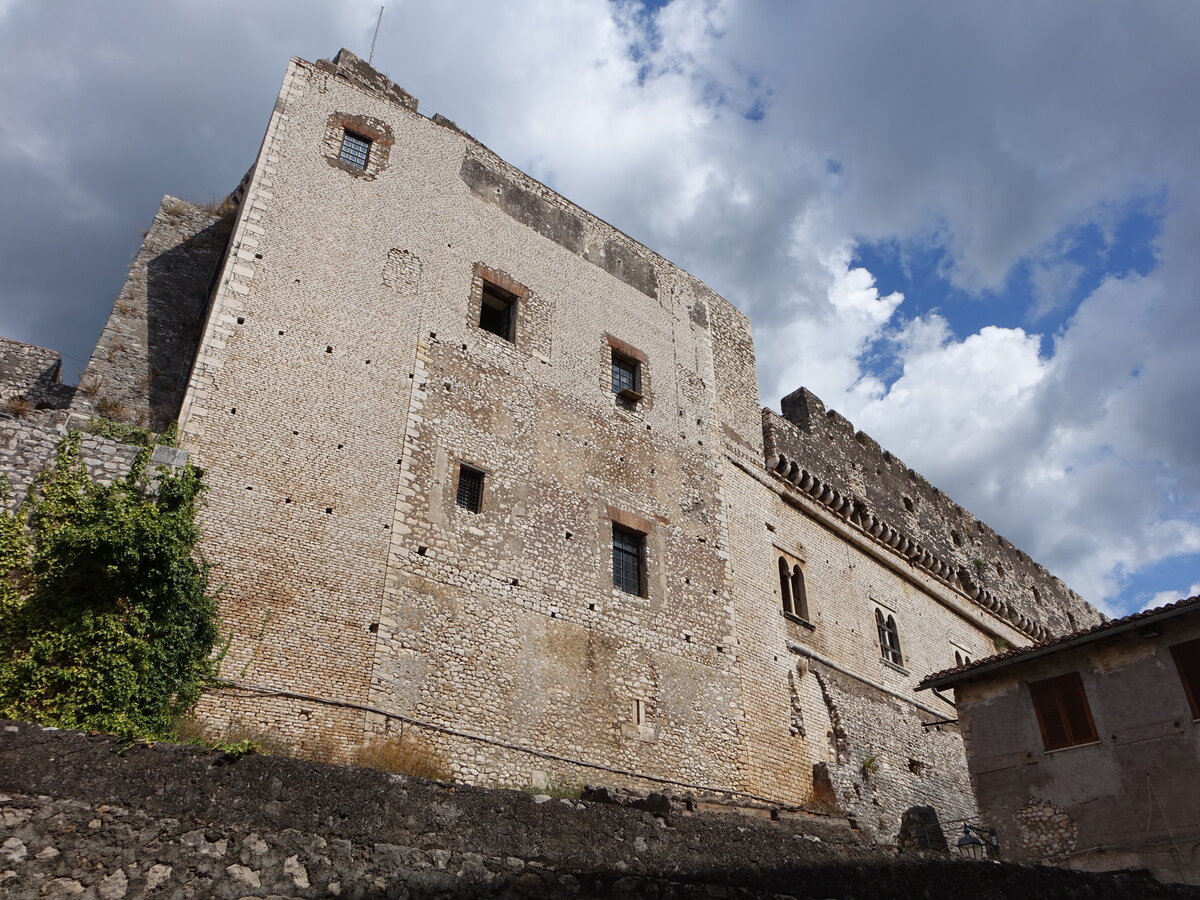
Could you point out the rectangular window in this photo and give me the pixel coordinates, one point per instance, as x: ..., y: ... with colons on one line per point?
x: 1187, y: 661
x: 497, y: 311
x: 1062, y: 711
x: 628, y: 556
x: 355, y: 149
x: 626, y: 377
x: 470, y: 489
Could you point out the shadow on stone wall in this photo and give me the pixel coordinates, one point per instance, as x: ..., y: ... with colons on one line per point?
x: 178, y: 285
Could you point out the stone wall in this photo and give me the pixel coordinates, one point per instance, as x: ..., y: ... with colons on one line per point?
x: 32, y: 375
x: 820, y: 451
x: 139, y: 368
x: 28, y: 444
x: 343, y: 379
x: 819, y: 696
x: 89, y: 816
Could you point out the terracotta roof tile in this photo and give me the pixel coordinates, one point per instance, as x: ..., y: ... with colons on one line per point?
x: 1015, y: 652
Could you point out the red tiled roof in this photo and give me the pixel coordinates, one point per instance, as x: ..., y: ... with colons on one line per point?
x: 942, y: 679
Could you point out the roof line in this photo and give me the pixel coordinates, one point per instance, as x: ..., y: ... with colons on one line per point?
x: 1136, y: 621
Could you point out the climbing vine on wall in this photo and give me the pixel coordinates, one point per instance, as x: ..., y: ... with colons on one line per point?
x: 106, y: 618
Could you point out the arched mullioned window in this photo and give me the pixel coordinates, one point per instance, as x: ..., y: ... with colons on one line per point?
x: 889, y: 638
x: 799, y: 596
x: 785, y: 586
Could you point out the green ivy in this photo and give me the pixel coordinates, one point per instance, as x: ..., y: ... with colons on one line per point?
x: 106, y: 618
x: 121, y: 432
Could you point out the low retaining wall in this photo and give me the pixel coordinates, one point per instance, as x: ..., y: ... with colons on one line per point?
x: 85, y: 816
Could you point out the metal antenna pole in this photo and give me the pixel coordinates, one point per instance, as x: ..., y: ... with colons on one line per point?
x: 371, y: 57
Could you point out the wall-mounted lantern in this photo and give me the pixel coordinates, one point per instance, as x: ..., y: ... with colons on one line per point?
x: 977, y: 842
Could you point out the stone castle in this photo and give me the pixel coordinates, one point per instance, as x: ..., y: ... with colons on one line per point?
x: 482, y: 466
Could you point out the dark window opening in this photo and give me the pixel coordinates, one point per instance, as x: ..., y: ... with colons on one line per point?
x: 355, y: 149
x: 470, y: 489
x: 785, y: 585
x: 628, y: 560
x: 1062, y: 711
x: 889, y: 639
x: 961, y: 659
x: 498, y: 311
x: 626, y: 377
x: 1187, y: 661
x: 791, y: 586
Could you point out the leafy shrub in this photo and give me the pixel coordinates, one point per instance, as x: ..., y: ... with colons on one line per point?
x: 106, y: 618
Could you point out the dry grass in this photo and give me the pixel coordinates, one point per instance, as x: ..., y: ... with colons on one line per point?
x: 111, y: 408
x: 321, y: 748
x: 18, y: 406
x: 404, y: 755
x: 90, y: 384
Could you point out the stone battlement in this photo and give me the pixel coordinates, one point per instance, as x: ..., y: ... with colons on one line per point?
x: 819, y: 451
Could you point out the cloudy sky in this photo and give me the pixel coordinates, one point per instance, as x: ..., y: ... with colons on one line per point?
x: 973, y: 228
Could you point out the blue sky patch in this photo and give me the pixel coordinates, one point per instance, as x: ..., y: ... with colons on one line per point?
x: 1039, y: 295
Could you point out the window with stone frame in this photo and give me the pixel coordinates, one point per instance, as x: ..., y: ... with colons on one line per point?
x: 629, y: 560
x: 626, y: 376
x: 1187, y: 664
x: 792, y: 590
x: 1062, y: 710
x: 498, y: 311
x: 889, y: 638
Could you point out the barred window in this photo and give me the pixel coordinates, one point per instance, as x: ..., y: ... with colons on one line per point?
x: 626, y: 377
x: 889, y: 639
x: 1062, y: 711
x: 470, y: 489
x: 628, y: 557
x: 355, y: 149
x: 497, y: 311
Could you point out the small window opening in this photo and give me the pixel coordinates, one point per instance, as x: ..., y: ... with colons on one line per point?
x: 470, y: 489
x: 628, y: 560
x: 961, y: 659
x: 785, y: 585
x: 889, y: 639
x: 791, y: 587
x: 1187, y: 661
x: 639, y: 712
x: 1062, y: 711
x: 355, y: 149
x: 626, y: 377
x: 497, y: 311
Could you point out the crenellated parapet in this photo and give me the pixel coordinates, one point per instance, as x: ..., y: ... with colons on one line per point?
x: 819, y: 453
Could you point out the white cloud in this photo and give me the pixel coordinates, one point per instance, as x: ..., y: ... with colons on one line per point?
x: 1162, y: 598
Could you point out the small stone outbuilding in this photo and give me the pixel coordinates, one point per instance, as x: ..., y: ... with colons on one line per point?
x: 1084, y: 751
